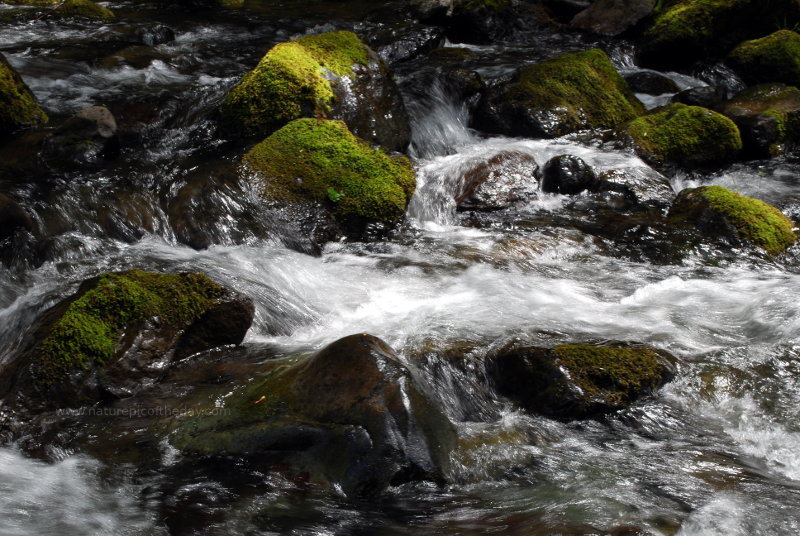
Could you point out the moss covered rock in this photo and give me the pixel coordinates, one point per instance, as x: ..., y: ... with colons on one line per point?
x: 775, y: 58
x: 120, y: 328
x: 574, y: 381
x: 330, y: 75
x: 768, y: 116
x: 351, y: 414
x: 18, y: 108
x: 720, y: 213
x: 684, y: 30
x: 571, y: 92
x: 322, y: 162
x: 690, y: 136
x: 85, y: 9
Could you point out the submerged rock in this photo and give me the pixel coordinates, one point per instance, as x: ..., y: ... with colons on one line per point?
x: 612, y: 17
x: 577, y: 381
x: 351, y: 414
x: 682, y: 135
x: 559, y: 96
x: 567, y: 175
x: 768, y: 117
x: 500, y: 182
x: 117, y: 333
x: 720, y: 213
x: 321, y: 165
x: 18, y: 108
x: 775, y: 58
x: 331, y: 75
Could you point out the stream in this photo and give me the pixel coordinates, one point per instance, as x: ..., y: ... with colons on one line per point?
x: 714, y: 452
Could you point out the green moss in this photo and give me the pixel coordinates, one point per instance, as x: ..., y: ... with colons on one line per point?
x: 613, y: 374
x: 691, y: 23
x: 308, y: 158
x: 688, y: 135
x: 572, y: 83
x: 18, y: 109
x: 289, y: 82
x: 85, y: 9
x: 89, y: 329
x: 756, y: 221
x: 775, y: 58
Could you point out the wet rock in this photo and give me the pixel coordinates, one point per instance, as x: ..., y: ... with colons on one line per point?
x: 18, y: 108
x: 137, y: 56
x: 351, y: 414
x: 504, y: 180
x: 683, y: 32
x: 468, y: 21
x: 568, y: 175
x: 12, y: 217
x: 404, y: 41
x: 85, y: 9
x: 565, y: 10
x: 557, y: 97
x: 706, y: 97
x: 719, y: 213
x: 86, y: 138
x: 331, y: 75
x: 641, y: 187
x: 651, y: 83
x: 578, y: 381
x: 775, y: 58
x: 682, y: 135
x: 768, y: 116
x: 321, y: 165
x: 116, y: 335
x: 612, y: 17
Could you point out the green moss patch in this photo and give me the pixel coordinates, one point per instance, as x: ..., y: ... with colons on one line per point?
x: 583, y: 85
x: 775, y: 58
x: 686, y: 135
x: 88, y: 331
x: 289, y: 82
x: 615, y: 375
x: 18, y: 109
x: 85, y: 9
x: 322, y: 160
x: 755, y: 221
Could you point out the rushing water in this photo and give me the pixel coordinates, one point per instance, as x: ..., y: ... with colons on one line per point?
x: 716, y: 452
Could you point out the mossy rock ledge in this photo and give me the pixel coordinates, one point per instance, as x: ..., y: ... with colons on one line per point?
x: 352, y: 415
x: 331, y: 75
x: 681, y: 135
x: 18, y: 108
x: 684, y: 31
x: 570, y: 92
x: 578, y: 381
x: 342, y: 184
x: 118, y: 332
x: 768, y: 117
x: 720, y: 213
x: 774, y: 58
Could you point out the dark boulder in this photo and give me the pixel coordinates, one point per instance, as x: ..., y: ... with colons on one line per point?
x: 404, y: 41
x: 612, y: 17
x: 118, y: 332
x: 504, y: 180
x: 568, y: 175
x: 651, y: 83
x: 577, y: 381
x: 351, y: 414
x: 774, y: 58
x: 706, y: 96
x: 87, y: 138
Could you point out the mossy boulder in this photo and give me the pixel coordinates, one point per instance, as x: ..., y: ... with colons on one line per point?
x: 571, y: 92
x: 18, y: 108
x: 682, y: 135
x: 351, y: 414
x: 774, y: 58
x: 720, y: 213
x: 321, y: 163
x: 768, y: 117
x: 576, y: 381
x: 119, y: 330
x: 683, y: 31
x: 330, y: 75
x: 85, y: 9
